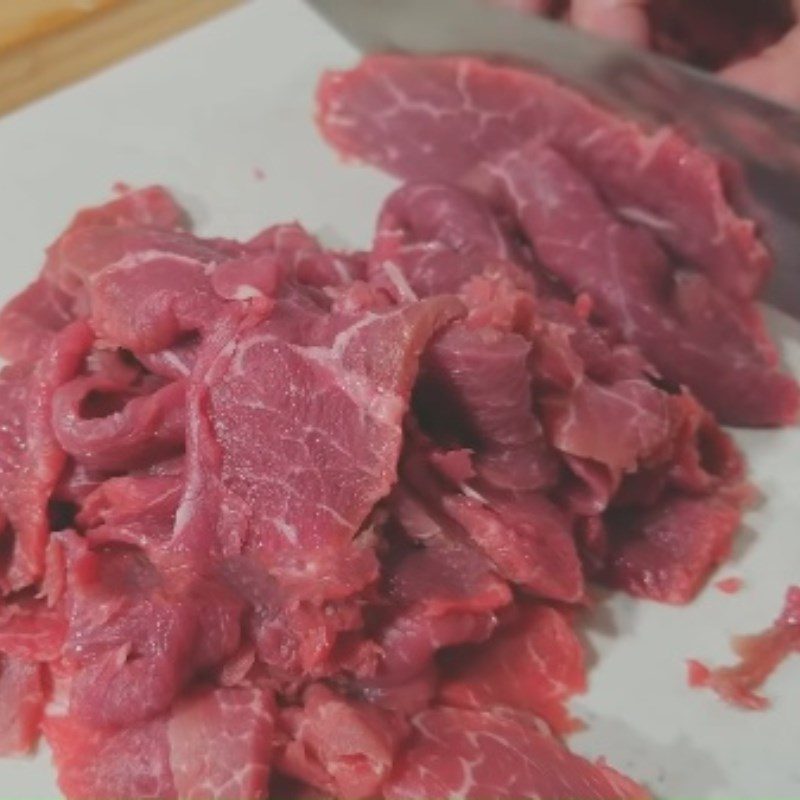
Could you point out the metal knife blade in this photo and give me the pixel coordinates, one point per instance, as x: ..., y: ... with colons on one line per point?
x: 762, y: 136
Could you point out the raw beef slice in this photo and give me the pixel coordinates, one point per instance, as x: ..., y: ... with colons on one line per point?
x: 640, y: 222
x: 480, y: 754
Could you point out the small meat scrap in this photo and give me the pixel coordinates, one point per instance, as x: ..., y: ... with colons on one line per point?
x: 731, y: 585
x: 759, y: 654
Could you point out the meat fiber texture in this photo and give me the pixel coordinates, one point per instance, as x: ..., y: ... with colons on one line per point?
x: 282, y: 520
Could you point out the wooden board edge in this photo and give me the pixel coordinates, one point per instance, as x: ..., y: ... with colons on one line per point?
x: 104, y: 38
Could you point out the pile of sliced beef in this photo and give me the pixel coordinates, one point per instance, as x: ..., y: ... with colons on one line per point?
x: 285, y: 521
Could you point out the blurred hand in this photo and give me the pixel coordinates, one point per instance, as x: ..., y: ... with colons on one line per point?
x: 618, y: 19
x: 774, y: 72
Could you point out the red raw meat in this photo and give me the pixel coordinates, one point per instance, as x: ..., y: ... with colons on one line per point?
x: 29, y: 321
x: 136, y: 636
x: 124, y: 428
x: 731, y: 585
x: 691, y: 330
x: 152, y: 207
x: 22, y: 698
x: 637, y: 197
x: 32, y: 630
x: 301, y: 256
x: 136, y: 510
x: 666, y: 552
x: 437, y: 236
x: 220, y: 744
x: 458, y: 390
x: 340, y: 746
x: 343, y: 436
x: 145, y: 287
x: 35, y: 460
x: 527, y: 537
x: 267, y: 498
x: 481, y: 754
x: 215, y: 744
x: 131, y: 762
x: 759, y: 656
x: 534, y: 664
x: 384, y: 112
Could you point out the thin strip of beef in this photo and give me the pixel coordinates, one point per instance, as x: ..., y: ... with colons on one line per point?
x: 22, y: 699
x: 33, y: 629
x: 497, y: 754
x: 437, y: 236
x: 137, y: 636
x: 295, y: 430
x: 144, y: 286
x: 436, y: 118
x: 34, y: 458
x: 534, y: 663
x: 152, y: 206
x: 305, y: 260
x: 527, y: 538
x: 459, y: 394
x: 694, y: 333
x: 666, y: 552
x: 137, y: 510
x: 29, y: 321
x: 146, y: 429
x: 214, y: 745
x: 340, y: 746
x: 295, y: 631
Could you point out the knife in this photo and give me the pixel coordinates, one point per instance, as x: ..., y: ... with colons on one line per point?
x: 762, y: 136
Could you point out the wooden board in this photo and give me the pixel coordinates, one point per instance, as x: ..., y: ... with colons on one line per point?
x: 45, y: 44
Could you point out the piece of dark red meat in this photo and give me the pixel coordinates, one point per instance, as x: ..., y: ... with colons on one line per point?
x: 135, y: 510
x: 458, y: 391
x: 481, y: 754
x: 295, y: 630
x: 33, y: 459
x: 523, y: 534
x: 691, y: 330
x: 667, y: 551
x: 221, y: 743
x: 136, y: 636
x: 107, y: 426
x: 434, y: 566
x: 129, y: 763
x: 340, y: 746
x: 431, y: 238
x: 32, y: 630
x: 22, y: 699
x: 152, y: 207
x: 438, y: 118
x: 215, y: 744
x: 305, y: 260
x: 526, y: 536
x: 534, y: 663
x: 759, y: 654
x: 144, y: 287
x: 337, y: 420
x: 29, y: 321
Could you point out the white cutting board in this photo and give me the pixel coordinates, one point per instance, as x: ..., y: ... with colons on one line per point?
x: 203, y: 114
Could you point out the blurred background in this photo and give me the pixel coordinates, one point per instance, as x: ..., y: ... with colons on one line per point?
x: 45, y: 44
